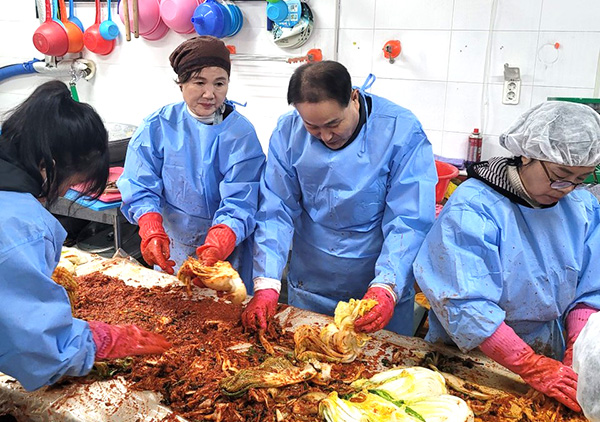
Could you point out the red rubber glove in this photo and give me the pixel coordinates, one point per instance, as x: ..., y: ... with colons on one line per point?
x: 155, y: 242
x: 546, y: 375
x: 219, y: 243
x: 379, y: 316
x: 120, y: 341
x: 260, y: 309
x: 575, y: 322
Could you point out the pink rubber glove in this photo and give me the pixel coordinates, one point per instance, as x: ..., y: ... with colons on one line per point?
x: 379, y: 316
x: 120, y: 341
x: 155, y: 242
x: 219, y: 243
x: 260, y: 309
x: 575, y: 322
x: 546, y: 375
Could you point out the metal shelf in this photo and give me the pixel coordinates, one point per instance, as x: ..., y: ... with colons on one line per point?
x: 113, y: 216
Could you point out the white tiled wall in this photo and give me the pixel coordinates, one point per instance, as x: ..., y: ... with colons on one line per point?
x: 450, y: 71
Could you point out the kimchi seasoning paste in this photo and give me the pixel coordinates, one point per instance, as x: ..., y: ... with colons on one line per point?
x: 208, y: 344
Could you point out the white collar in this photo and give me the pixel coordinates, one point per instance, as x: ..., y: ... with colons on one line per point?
x: 213, y: 119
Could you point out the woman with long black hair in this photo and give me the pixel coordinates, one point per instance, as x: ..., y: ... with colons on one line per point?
x: 49, y: 143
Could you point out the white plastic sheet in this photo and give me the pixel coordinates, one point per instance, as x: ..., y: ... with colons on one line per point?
x: 586, y: 362
x: 114, y: 401
x: 101, y: 401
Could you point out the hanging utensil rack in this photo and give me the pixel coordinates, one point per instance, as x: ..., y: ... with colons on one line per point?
x: 313, y: 55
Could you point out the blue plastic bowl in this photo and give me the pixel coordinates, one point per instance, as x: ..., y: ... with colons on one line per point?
x: 208, y: 19
x: 277, y: 11
x: 238, y: 19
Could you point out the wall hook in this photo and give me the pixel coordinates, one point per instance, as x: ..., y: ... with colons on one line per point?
x: 391, y: 50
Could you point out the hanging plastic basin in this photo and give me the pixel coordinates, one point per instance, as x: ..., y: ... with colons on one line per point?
x: 445, y: 173
x: 237, y: 19
x: 148, y: 15
x: 277, y: 11
x: 227, y: 21
x: 159, y: 32
x: 208, y: 19
x: 75, y: 37
x: 95, y: 42
x: 177, y: 14
x: 216, y: 19
x: 51, y: 39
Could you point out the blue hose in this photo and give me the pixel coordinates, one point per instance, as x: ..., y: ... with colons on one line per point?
x: 17, y: 69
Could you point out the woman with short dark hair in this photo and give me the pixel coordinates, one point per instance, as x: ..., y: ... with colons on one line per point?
x: 193, y: 167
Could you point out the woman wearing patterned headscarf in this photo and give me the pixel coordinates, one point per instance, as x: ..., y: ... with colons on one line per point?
x: 515, y: 254
x: 192, y: 168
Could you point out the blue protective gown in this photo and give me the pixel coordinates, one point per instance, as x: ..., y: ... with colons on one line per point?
x: 196, y: 176
x: 40, y: 341
x: 357, y: 216
x: 488, y: 260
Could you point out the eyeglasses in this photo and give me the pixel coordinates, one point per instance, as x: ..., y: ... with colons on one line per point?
x: 559, y: 184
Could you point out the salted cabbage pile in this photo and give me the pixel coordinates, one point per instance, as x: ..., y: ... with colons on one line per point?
x: 337, y: 342
x: 221, y: 277
x: 403, y: 394
x: 273, y: 372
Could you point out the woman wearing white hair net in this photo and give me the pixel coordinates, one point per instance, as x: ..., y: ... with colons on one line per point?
x: 514, y: 257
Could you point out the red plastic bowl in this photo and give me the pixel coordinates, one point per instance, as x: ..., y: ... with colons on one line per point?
x: 445, y: 172
x: 51, y: 39
x: 93, y: 41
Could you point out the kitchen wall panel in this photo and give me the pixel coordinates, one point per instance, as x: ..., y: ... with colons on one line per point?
x: 413, y: 14
x: 518, y: 15
x: 471, y: 15
x: 458, y: 116
x: 517, y: 48
x: 424, y: 98
x: 424, y: 54
x: 356, y: 46
x: 467, y: 56
x: 572, y: 15
x: 440, y: 74
x: 498, y: 116
x: 575, y: 62
x: 357, y: 14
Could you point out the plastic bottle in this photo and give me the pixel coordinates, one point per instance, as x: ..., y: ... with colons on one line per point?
x: 474, y: 151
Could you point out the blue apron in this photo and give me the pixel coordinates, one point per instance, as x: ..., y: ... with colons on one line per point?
x: 195, y: 176
x: 357, y: 216
x: 488, y: 260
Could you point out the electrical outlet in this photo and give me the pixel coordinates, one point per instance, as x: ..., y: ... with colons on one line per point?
x: 511, y: 93
x: 512, y: 85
